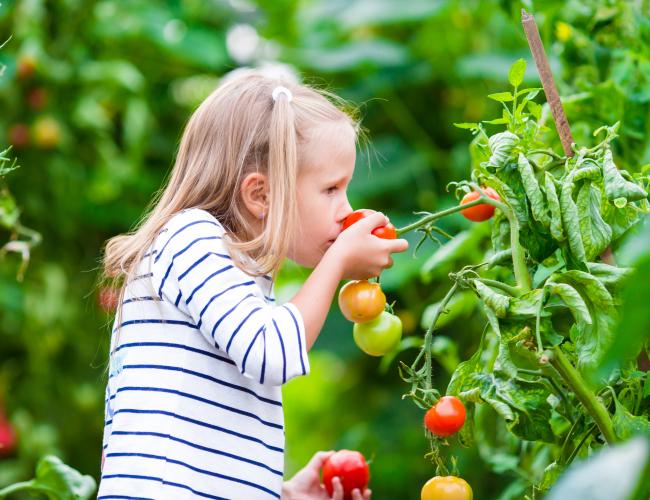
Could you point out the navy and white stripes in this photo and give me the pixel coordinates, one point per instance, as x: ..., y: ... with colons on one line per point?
x: 193, y: 401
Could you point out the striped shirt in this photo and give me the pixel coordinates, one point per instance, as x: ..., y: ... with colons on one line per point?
x: 193, y: 399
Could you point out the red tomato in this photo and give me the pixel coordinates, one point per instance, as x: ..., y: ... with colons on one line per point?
x: 351, y: 468
x: 446, y: 417
x: 388, y: 232
x: 479, y: 213
x: 446, y: 488
x: 361, y: 301
x: 7, y: 436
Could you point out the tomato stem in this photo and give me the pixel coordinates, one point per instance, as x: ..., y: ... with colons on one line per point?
x: 588, y: 399
x: 428, y: 337
x: 438, y: 215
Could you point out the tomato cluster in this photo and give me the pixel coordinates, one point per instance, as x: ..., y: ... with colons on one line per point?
x: 376, y: 331
x: 351, y: 468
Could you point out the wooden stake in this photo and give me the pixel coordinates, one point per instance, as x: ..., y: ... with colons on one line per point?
x: 544, y: 70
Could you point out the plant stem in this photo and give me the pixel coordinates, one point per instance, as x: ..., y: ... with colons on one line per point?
x: 16, y: 487
x: 428, y: 337
x: 575, y: 382
x: 438, y: 215
x: 511, y: 290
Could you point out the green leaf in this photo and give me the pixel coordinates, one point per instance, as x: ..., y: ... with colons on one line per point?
x: 466, y: 125
x: 556, y: 228
x: 516, y: 73
x: 571, y: 220
x: 502, y: 97
x: 591, y: 340
x: 494, y: 300
x: 501, y: 146
x: 615, y: 185
x: 58, y: 481
x: 522, y: 403
x: 573, y: 300
x: 596, y: 233
x: 627, y: 425
x: 534, y: 193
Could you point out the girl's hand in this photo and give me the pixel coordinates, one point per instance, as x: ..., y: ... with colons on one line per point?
x: 305, y: 485
x: 363, y: 255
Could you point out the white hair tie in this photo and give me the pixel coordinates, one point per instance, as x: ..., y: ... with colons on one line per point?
x: 282, y: 90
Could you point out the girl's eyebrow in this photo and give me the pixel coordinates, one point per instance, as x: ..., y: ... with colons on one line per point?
x: 337, y: 180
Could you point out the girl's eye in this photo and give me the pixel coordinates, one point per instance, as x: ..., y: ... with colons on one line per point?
x: 332, y: 190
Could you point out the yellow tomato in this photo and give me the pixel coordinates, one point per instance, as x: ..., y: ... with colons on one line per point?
x: 446, y: 488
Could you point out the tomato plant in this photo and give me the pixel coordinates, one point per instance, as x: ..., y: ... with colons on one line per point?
x: 361, y: 300
x: 387, y: 232
x: 446, y: 417
x: 351, y: 468
x: 446, y: 488
x: 378, y: 336
x: 549, y: 288
x: 482, y: 212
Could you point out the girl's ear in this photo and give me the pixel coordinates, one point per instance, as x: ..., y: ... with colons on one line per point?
x: 254, y: 191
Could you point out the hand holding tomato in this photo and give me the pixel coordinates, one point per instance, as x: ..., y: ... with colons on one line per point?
x: 388, y: 232
x: 307, y: 484
x: 351, y: 468
x: 446, y: 417
x: 362, y: 255
x: 482, y: 211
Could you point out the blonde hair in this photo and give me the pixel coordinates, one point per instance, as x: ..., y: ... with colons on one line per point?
x: 237, y: 129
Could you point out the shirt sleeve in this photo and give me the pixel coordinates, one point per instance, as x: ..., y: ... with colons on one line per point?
x: 193, y: 270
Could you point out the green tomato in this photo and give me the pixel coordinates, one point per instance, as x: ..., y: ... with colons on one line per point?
x: 378, y: 336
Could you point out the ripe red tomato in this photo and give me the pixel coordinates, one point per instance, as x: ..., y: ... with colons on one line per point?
x: 7, y: 436
x: 446, y: 417
x: 351, y: 468
x: 479, y: 213
x: 361, y: 301
x: 379, y: 336
x: 446, y: 488
x: 388, y: 232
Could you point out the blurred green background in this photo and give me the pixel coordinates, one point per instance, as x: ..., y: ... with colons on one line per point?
x: 95, y: 95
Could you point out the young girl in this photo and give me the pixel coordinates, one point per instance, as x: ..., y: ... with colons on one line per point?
x: 200, y: 349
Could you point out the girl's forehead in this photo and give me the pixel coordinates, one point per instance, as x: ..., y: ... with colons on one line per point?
x: 329, y: 148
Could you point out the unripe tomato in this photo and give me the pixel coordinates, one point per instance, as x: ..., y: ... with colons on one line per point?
x: 47, y: 132
x: 351, y: 468
x: 446, y: 417
x: 388, y: 232
x: 446, y: 488
x: 361, y: 301
x: 19, y: 135
x: 7, y: 436
x: 378, y: 336
x: 479, y: 213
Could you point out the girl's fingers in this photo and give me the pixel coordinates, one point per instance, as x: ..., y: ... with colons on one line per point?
x: 319, y: 459
x: 338, y: 488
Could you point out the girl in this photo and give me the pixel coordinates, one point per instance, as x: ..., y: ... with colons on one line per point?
x: 200, y: 349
